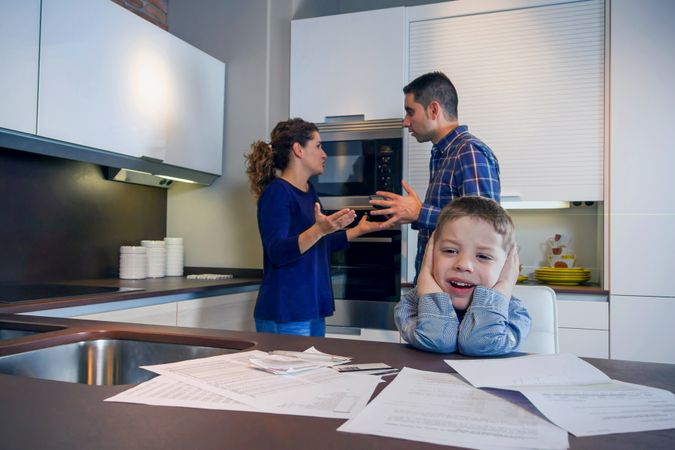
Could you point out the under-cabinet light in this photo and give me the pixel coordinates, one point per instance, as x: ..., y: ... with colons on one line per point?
x: 184, y: 180
x: 535, y: 205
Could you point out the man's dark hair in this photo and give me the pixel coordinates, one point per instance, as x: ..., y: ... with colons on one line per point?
x: 434, y: 86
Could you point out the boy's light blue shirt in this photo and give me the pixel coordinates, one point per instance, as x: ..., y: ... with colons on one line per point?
x: 492, y: 324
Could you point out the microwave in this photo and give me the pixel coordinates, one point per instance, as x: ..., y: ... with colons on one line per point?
x: 362, y: 157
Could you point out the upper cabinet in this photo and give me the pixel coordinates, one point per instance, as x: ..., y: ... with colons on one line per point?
x: 348, y: 64
x: 19, y: 46
x: 113, y: 81
x: 530, y: 80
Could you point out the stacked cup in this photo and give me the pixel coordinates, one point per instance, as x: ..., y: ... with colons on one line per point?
x: 174, y: 256
x: 156, y: 253
x: 561, y: 255
x: 133, y: 262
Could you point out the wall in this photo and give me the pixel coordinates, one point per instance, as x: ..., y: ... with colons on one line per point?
x: 154, y: 11
x: 252, y: 37
x: 62, y: 220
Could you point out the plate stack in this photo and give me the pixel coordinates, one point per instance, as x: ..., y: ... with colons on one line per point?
x: 133, y: 262
x: 562, y: 276
x: 174, y: 256
x: 156, y: 253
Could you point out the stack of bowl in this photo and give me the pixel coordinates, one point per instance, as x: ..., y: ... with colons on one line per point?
x: 156, y: 258
x: 174, y: 256
x: 133, y: 262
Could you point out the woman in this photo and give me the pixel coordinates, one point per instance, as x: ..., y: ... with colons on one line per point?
x: 296, y: 293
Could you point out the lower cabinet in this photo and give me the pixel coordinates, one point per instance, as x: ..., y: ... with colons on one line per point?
x: 642, y: 328
x: 364, y: 334
x: 163, y: 314
x: 583, y: 325
x: 223, y: 312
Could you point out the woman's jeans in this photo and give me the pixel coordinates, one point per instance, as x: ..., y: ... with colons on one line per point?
x: 316, y: 327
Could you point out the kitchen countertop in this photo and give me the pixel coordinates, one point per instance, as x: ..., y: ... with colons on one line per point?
x: 152, y: 287
x: 56, y: 415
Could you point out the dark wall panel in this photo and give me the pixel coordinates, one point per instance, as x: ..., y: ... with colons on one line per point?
x: 62, y: 220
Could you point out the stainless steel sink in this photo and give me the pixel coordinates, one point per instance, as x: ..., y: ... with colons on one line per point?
x: 106, y: 361
x: 12, y: 330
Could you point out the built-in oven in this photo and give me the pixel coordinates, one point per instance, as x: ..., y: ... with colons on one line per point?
x: 363, y: 157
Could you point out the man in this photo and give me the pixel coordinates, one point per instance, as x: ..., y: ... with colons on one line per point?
x: 460, y: 165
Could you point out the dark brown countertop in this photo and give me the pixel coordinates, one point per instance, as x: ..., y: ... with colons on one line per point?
x: 56, y: 415
x: 152, y: 287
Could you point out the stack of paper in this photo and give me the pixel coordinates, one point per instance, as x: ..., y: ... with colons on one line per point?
x: 229, y: 382
x: 573, y: 394
x: 282, y: 362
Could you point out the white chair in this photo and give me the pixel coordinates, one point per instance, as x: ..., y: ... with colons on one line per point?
x: 540, y: 303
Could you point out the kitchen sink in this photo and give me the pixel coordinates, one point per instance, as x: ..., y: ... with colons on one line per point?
x: 107, y: 361
x: 12, y: 330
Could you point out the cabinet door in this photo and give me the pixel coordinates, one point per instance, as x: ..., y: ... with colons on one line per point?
x: 642, y: 207
x: 195, y: 128
x: 223, y: 312
x: 104, y: 78
x: 642, y: 328
x: 19, y: 46
x: 348, y: 64
x: 163, y: 314
x: 530, y: 80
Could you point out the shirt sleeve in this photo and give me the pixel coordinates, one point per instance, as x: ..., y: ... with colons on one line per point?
x: 274, y: 217
x: 429, y: 322
x: 493, y: 324
x: 479, y: 173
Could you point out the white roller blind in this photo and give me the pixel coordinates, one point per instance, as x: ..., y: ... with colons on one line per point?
x: 531, y: 85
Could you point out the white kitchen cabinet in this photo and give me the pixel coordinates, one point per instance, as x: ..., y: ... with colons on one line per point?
x: 642, y: 328
x: 113, y: 81
x: 530, y: 81
x: 162, y: 314
x: 19, y: 48
x: 222, y: 312
x: 642, y: 208
x: 583, y: 325
x: 365, y: 334
x: 348, y: 64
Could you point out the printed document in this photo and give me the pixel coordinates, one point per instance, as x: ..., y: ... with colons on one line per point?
x: 442, y: 409
x: 573, y: 394
x: 228, y: 382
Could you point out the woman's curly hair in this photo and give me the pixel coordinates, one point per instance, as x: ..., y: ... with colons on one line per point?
x: 265, y: 160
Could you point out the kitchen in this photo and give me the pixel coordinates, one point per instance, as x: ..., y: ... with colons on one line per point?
x: 218, y: 222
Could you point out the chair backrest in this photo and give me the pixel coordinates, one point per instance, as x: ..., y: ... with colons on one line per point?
x: 540, y: 303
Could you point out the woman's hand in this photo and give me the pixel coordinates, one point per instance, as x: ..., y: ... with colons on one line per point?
x: 336, y: 221
x: 509, y: 275
x: 426, y: 284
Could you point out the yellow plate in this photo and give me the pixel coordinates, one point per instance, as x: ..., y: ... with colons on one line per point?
x: 563, y: 280
x: 522, y: 278
x: 561, y: 270
x: 562, y: 283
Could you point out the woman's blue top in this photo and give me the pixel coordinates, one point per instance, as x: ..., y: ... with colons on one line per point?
x: 296, y: 287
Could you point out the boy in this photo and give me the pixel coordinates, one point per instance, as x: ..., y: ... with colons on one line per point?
x: 462, y: 300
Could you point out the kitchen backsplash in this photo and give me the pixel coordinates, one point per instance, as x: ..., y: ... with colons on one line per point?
x: 63, y: 220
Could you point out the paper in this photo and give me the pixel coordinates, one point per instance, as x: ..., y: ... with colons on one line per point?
x: 229, y: 382
x: 440, y: 408
x: 573, y: 394
x: 340, y: 400
x: 531, y: 370
x: 281, y: 362
x: 613, y: 407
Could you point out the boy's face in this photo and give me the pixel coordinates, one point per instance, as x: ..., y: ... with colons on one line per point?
x: 468, y: 252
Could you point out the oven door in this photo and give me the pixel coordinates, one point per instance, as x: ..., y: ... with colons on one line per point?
x: 367, y: 281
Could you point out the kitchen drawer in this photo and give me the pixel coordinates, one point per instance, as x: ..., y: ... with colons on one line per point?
x: 162, y: 314
x: 363, y: 334
x: 584, y: 343
x: 591, y: 315
x: 222, y: 312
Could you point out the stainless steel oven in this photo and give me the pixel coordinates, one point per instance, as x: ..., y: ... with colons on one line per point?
x: 363, y: 157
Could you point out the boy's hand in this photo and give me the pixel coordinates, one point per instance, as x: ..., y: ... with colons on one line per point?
x: 426, y: 284
x: 509, y: 275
